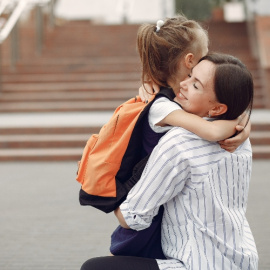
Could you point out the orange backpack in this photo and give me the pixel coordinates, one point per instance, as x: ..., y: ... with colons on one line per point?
x: 106, y: 167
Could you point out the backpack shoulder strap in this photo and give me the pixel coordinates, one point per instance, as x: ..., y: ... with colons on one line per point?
x: 166, y: 92
x: 133, y: 152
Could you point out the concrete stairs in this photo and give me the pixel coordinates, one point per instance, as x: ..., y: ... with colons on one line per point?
x: 51, y: 104
x: 47, y: 136
x: 67, y: 143
x: 43, y: 144
x: 260, y: 139
x: 67, y: 92
x: 72, y: 75
x: 232, y: 38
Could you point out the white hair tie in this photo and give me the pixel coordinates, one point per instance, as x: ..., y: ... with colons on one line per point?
x: 160, y: 23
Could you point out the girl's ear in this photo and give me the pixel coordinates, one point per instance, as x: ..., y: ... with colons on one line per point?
x: 190, y: 61
x: 218, y: 109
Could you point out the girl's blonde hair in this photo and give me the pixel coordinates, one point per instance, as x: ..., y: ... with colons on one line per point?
x: 161, y: 50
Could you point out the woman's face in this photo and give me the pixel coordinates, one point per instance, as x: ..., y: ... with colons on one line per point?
x: 197, y: 94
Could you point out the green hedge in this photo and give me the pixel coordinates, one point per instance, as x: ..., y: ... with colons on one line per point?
x: 194, y: 9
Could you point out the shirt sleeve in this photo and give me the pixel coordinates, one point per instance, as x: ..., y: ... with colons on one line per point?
x: 158, y: 111
x: 162, y: 179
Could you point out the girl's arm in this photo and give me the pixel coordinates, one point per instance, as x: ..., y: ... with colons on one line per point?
x: 210, y: 131
x: 147, y: 91
x: 231, y: 144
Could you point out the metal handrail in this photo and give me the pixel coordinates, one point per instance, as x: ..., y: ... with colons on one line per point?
x: 10, y: 26
x: 16, y: 14
x: 3, y: 5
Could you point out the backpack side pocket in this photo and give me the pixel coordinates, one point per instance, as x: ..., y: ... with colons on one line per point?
x: 86, y: 154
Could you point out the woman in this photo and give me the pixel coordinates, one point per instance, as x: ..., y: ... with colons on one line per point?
x: 202, y: 187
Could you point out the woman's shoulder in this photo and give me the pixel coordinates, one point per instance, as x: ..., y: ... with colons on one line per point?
x: 180, y: 139
x: 244, y: 148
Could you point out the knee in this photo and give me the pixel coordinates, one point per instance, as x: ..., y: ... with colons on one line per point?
x: 93, y: 264
x: 87, y: 265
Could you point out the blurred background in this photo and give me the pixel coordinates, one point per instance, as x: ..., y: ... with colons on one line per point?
x: 64, y: 61
x: 65, y: 66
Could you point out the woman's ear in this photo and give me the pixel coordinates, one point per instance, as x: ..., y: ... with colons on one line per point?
x: 190, y: 61
x: 218, y: 109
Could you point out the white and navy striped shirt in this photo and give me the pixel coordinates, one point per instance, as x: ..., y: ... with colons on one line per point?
x: 204, y: 190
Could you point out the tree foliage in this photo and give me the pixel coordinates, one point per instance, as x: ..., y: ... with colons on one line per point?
x: 195, y: 9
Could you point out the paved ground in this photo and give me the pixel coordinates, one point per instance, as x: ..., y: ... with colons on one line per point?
x: 42, y: 225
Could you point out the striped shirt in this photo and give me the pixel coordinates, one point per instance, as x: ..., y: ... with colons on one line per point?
x: 204, y: 190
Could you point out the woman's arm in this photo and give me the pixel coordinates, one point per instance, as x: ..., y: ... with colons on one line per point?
x: 160, y: 180
x: 120, y: 218
x: 211, y: 131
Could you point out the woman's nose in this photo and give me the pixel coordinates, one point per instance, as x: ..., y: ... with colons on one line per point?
x: 183, y: 84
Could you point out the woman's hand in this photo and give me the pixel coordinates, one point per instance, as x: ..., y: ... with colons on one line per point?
x: 231, y: 144
x: 147, y: 91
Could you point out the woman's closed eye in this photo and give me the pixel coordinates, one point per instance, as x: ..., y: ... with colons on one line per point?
x: 194, y: 85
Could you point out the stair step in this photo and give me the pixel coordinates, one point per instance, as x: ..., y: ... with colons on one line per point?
x: 90, y: 105
x: 258, y: 104
x: 62, y: 86
x: 10, y: 131
x: 78, y: 68
x: 263, y: 126
x: 68, y: 106
x: 70, y: 77
x: 15, y: 80
x: 60, y: 106
x: 78, y: 140
x: 70, y: 95
x: 43, y: 141
x: 55, y: 154
x: 41, y: 154
x: 261, y: 151
x: 65, y: 143
x: 75, y: 60
x: 53, y: 123
x: 260, y: 137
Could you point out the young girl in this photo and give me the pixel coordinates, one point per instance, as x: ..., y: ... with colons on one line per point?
x: 168, y: 52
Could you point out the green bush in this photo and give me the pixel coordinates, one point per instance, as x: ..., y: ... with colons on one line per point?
x: 195, y: 9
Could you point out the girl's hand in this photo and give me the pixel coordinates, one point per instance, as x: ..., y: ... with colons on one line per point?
x: 147, y: 91
x: 231, y: 144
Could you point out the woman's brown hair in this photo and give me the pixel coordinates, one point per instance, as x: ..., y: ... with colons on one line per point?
x: 233, y: 85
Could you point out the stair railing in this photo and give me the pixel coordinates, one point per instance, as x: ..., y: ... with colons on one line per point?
x: 11, y: 25
x: 3, y: 5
